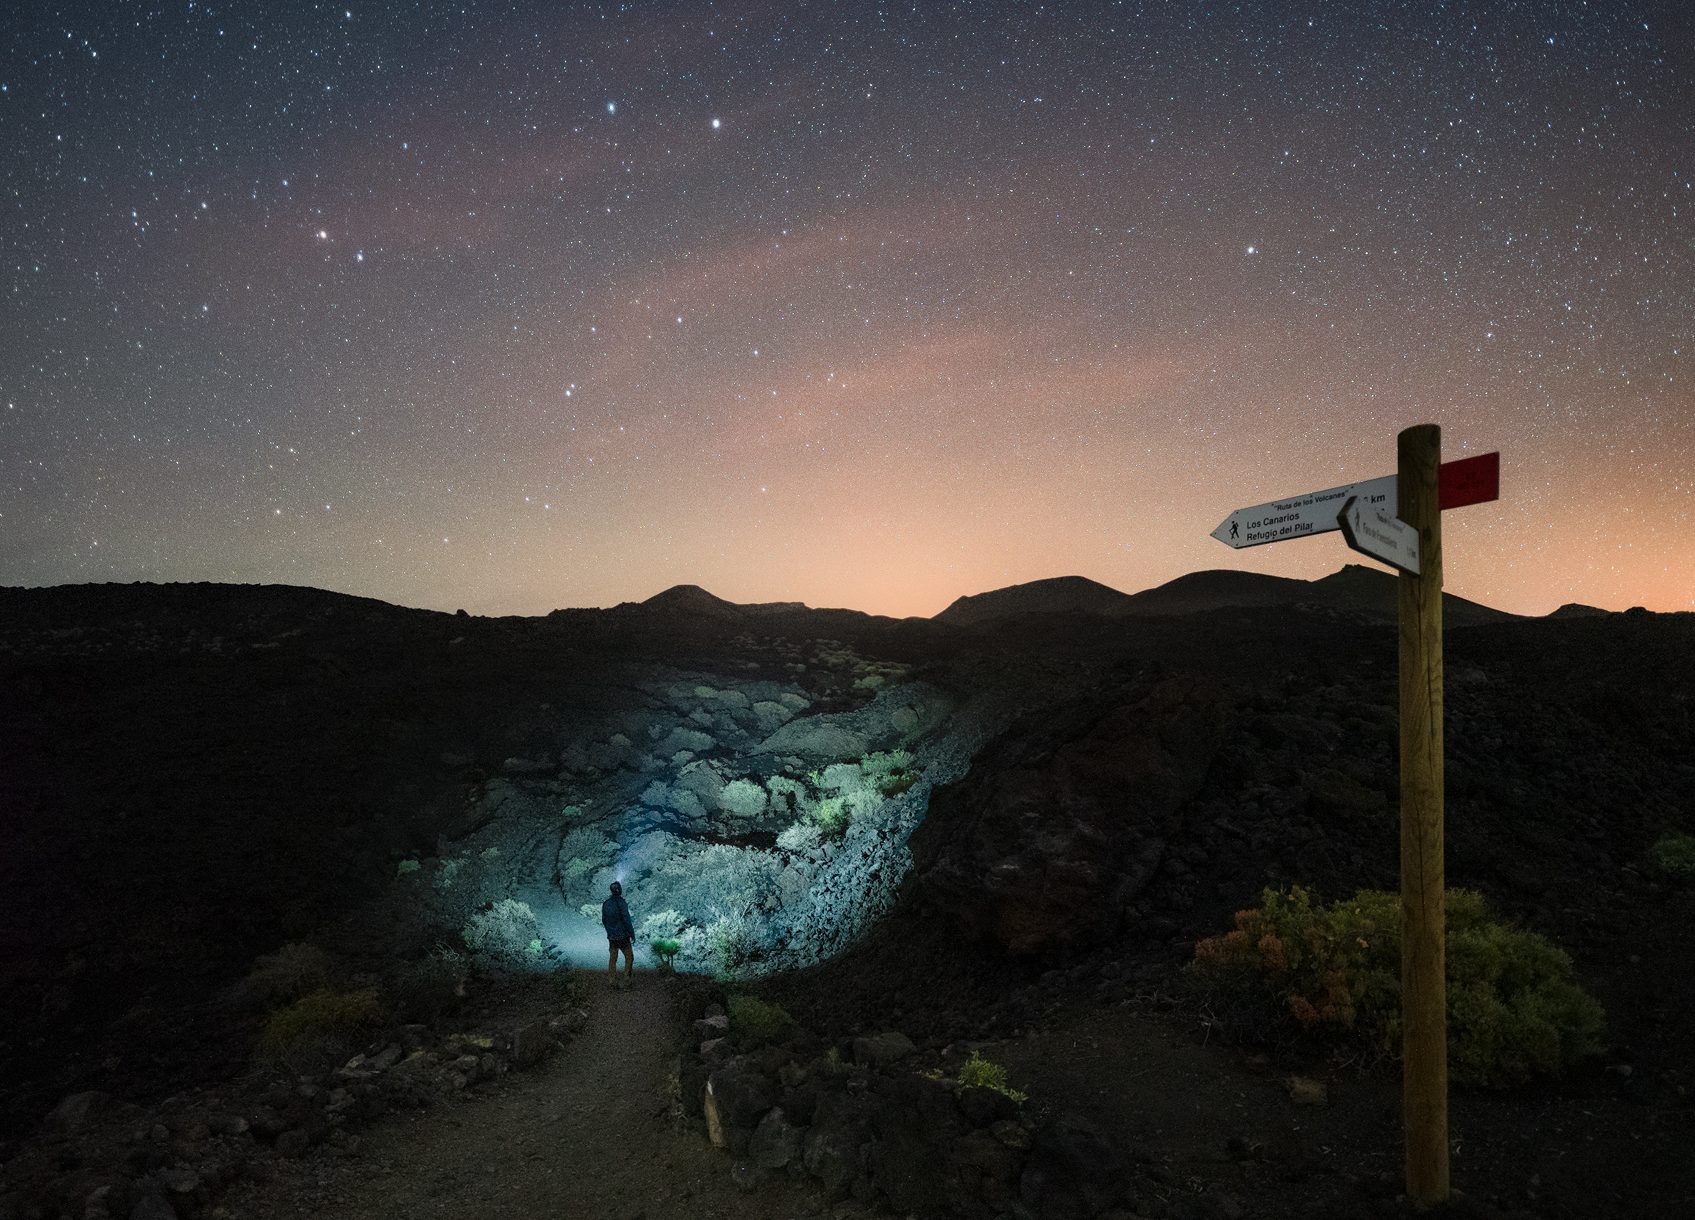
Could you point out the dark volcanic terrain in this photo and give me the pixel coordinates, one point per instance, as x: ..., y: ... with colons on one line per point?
x: 192, y: 775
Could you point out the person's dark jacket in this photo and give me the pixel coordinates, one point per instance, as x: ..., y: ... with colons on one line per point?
x: 615, y: 918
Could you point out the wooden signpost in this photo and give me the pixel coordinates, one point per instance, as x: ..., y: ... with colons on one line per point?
x: 1410, y: 541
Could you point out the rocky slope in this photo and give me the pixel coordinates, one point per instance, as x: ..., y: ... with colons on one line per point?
x: 917, y: 821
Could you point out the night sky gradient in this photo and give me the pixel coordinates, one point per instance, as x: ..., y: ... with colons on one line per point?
x: 513, y: 306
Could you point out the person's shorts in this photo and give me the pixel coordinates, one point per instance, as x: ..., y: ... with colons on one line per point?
x: 626, y: 945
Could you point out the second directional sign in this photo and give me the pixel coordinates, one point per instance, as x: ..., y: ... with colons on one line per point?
x: 1379, y: 533
x: 1468, y: 481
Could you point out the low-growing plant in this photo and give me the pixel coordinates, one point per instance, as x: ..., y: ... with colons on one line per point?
x: 891, y: 772
x: 323, y: 1019
x: 980, y: 1073
x: 294, y: 970
x: 830, y: 815
x: 1674, y: 853
x: 430, y: 986
x: 754, y: 1022
x: 1514, y: 1009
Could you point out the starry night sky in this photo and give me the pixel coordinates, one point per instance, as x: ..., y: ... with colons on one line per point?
x: 513, y: 306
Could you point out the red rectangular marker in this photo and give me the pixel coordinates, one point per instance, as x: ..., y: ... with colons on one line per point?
x: 1473, y: 480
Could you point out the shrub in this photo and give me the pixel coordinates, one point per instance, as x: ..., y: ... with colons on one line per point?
x: 322, y: 1020
x: 447, y: 872
x: 891, y: 771
x: 1514, y: 1009
x: 292, y: 971
x: 753, y: 1022
x: 406, y: 867
x: 980, y: 1073
x: 830, y: 815
x: 665, y: 949
x: 507, y: 933
x: 660, y: 925
x: 742, y: 798
x: 434, y: 984
x: 802, y: 837
x: 732, y: 940
x: 1674, y: 853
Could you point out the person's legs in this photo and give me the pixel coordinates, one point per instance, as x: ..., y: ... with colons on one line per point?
x: 611, y: 961
x: 629, y: 959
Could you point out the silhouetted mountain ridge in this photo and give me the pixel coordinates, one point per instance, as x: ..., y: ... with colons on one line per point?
x: 1354, y: 589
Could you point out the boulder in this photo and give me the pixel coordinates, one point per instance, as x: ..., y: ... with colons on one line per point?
x: 532, y: 1043
x: 985, y: 1107
x: 77, y: 1112
x: 775, y: 1141
x: 814, y: 739
x: 692, y: 740
x: 179, y: 1180
x: 769, y: 716
x: 717, y: 1051
x: 152, y: 1207
x: 1073, y: 1169
x: 831, y: 1147
x: 800, y: 1102
x: 740, y: 1094
x: 880, y: 1050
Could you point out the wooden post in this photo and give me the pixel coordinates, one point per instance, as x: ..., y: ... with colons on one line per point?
x: 1424, y: 1013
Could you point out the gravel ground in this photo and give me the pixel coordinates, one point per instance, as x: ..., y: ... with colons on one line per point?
x: 591, y: 1133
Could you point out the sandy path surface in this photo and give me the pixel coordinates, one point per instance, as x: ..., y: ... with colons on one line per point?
x: 588, y: 1135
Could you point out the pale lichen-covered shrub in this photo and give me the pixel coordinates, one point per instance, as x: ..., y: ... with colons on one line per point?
x: 743, y: 798
x: 801, y: 837
x: 788, y: 796
x: 733, y: 939
x: 447, y: 872
x: 507, y: 934
x: 661, y: 925
x: 838, y: 776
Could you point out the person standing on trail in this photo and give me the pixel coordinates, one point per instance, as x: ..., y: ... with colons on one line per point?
x: 620, y: 934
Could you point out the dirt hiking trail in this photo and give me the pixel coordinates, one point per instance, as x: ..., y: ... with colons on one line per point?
x: 587, y: 1135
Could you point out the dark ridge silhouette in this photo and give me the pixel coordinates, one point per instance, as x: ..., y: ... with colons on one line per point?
x: 1578, y: 610
x: 1056, y: 595
x: 1355, y: 589
x: 690, y: 599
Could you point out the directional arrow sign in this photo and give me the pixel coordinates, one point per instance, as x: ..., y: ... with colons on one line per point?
x: 1467, y: 481
x: 1380, y: 534
x: 1299, y: 516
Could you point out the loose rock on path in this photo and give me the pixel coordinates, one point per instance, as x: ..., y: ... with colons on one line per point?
x: 590, y: 1133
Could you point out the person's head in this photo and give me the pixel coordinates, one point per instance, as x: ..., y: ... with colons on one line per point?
x: 617, y: 889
